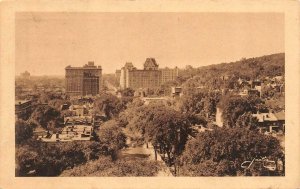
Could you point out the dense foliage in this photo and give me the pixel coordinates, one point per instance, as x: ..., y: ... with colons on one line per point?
x: 50, y: 159
x: 46, y: 117
x: 109, y: 105
x: 107, y: 168
x: 112, y: 137
x: 23, y: 131
x: 235, y: 106
x: 252, y: 68
x: 221, y: 151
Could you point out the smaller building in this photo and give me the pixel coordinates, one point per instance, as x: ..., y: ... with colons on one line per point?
x: 271, y: 122
x: 23, y: 108
x: 176, y: 92
x: 148, y: 101
x: 75, y: 120
x: 78, y: 110
x: 250, y: 92
x: 69, y: 134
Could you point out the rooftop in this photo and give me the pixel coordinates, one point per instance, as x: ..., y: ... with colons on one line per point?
x: 21, y: 101
x: 262, y: 117
x: 89, y: 65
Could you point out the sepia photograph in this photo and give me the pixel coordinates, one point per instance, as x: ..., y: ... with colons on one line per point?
x: 150, y: 94
x: 158, y: 94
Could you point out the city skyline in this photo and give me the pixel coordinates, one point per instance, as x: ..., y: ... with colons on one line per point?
x: 173, y: 39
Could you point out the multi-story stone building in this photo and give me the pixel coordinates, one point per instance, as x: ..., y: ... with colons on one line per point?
x: 82, y: 81
x: 149, y: 77
x: 168, y: 74
x: 118, y: 76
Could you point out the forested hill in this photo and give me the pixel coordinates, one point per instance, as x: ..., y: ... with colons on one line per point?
x: 251, y: 68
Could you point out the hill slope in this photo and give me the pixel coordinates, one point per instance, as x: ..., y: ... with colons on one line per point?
x: 252, y: 68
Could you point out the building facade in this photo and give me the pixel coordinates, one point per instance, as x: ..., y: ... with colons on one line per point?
x: 149, y: 77
x: 23, y: 108
x: 168, y: 74
x: 82, y: 81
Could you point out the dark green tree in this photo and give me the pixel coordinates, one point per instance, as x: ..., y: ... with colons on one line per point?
x: 227, y: 148
x: 23, y: 131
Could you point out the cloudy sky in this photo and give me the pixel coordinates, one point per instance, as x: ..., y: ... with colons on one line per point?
x: 48, y: 42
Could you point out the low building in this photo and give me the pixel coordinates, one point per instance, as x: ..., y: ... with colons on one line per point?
x: 75, y: 120
x: 69, y: 134
x: 23, y: 108
x: 271, y: 122
x: 79, y: 110
x: 250, y: 92
x: 148, y: 101
x: 176, y: 91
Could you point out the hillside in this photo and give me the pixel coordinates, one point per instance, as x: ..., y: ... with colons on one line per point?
x: 252, y: 68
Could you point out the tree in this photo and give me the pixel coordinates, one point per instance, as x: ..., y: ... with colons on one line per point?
x: 23, y: 131
x: 247, y: 121
x: 193, y: 102
x: 108, y: 104
x: 128, y: 92
x: 167, y: 130
x: 112, y: 137
x: 49, y: 159
x: 26, y: 159
x: 57, y: 103
x: 43, y: 115
x: 226, y: 149
x: 234, y: 106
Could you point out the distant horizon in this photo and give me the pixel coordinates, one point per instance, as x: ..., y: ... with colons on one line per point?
x: 140, y: 67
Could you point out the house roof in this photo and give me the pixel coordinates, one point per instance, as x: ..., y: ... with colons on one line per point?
x: 150, y: 62
x: 262, y: 117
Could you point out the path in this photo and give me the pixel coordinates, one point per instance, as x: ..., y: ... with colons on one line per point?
x: 144, y: 153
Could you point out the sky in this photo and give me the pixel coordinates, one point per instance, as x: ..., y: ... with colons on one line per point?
x: 48, y: 42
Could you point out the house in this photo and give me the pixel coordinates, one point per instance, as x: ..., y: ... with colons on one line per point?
x: 176, y: 91
x: 22, y: 108
x: 70, y: 133
x: 73, y: 120
x: 81, y: 110
x: 147, y: 100
x: 250, y: 92
x: 270, y: 122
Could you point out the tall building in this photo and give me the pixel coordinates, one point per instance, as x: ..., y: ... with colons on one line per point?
x: 82, y: 81
x: 168, y: 74
x: 149, y: 77
x: 25, y: 75
x: 118, y: 76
